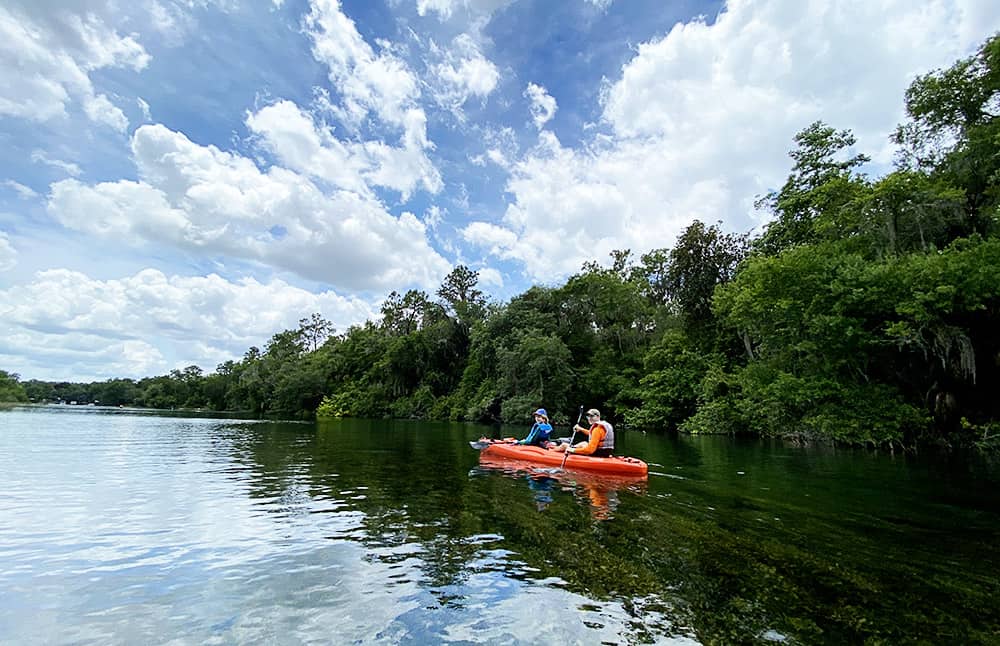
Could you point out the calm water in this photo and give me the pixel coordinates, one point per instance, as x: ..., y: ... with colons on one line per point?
x: 121, y: 527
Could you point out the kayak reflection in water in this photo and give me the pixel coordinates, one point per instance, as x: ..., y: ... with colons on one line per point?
x: 603, y: 500
x: 541, y: 487
x: 599, y: 492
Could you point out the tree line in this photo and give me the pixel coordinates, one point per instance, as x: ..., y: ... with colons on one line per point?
x: 866, y: 311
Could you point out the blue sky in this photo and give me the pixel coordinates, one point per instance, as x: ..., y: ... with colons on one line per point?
x: 181, y: 179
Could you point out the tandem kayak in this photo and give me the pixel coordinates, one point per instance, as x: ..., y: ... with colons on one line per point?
x: 619, y: 466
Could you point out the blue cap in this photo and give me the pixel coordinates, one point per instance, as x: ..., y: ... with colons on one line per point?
x: 541, y: 411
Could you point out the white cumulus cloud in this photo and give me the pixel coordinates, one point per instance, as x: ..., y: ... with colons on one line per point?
x: 214, y: 203
x: 72, y: 324
x: 476, y: 9
x: 498, y: 240
x: 702, y: 118
x: 48, y: 53
x: 306, y: 146
x: 368, y: 81
x: 490, y: 276
x: 377, y: 85
x: 543, y: 106
x: 101, y: 110
x: 460, y: 73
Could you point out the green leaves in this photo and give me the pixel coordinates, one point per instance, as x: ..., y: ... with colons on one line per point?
x: 10, y: 388
x: 703, y: 259
x: 849, y: 349
x: 460, y: 294
x: 953, y: 129
x: 669, y: 389
x: 821, y: 184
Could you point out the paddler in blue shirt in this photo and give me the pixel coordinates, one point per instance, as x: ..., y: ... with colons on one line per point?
x: 539, y: 434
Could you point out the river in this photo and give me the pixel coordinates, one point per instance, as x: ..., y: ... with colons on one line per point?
x: 126, y: 527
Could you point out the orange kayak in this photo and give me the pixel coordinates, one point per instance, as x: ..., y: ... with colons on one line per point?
x: 619, y: 466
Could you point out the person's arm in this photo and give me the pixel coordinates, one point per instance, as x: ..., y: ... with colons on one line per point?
x: 531, y: 435
x: 597, y: 433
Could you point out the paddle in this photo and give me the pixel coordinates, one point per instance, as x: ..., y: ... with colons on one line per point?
x: 572, y: 437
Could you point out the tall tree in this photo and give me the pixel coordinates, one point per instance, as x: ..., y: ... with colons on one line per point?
x: 406, y: 313
x: 953, y: 128
x: 460, y: 294
x: 315, y: 330
x: 652, y: 274
x: 703, y: 258
x: 906, y: 211
x: 823, y: 180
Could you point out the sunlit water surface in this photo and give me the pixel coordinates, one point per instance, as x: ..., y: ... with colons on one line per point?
x: 124, y: 527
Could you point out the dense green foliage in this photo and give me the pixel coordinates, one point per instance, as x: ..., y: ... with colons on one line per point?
x: 11, y: 389
x: 867, y: 311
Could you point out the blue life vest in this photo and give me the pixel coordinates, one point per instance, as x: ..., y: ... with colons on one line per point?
x: 538, y: 435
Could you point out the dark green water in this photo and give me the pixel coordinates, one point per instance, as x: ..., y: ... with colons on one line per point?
x: 122, y: 527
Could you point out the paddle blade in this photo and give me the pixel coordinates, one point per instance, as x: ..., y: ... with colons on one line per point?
x: 479, y: 445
